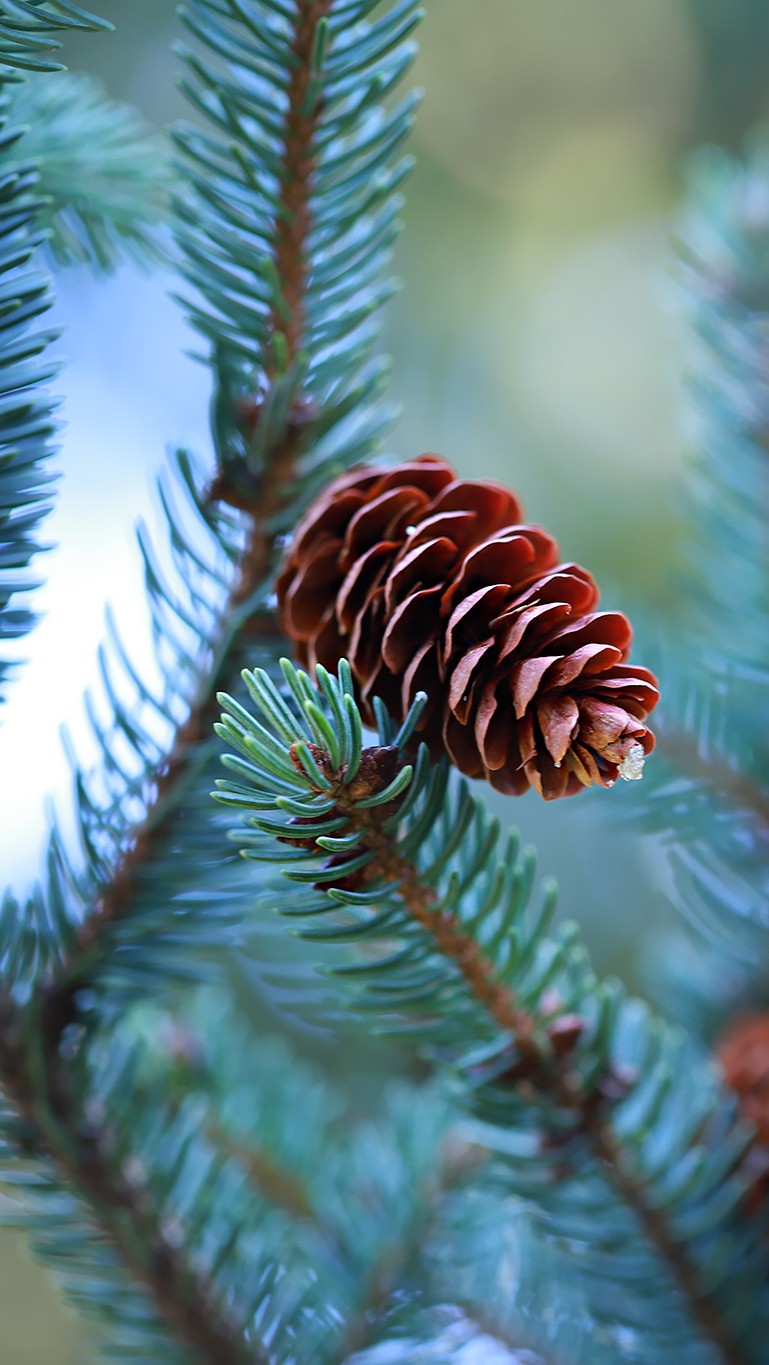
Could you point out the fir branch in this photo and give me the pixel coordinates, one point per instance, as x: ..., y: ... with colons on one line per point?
x: 449, y: 958
x: 709, y: 797
x: 108, y: 181
x: 138, y: 910
x: 55, y: 1131
x: 400, y: 1260
x: 280, y: 1186
x: 26, y: 27
x: 265, y: 482
x: 193, y: 1223
x: 447, y: 1334
x: 708, y: 768
x: 670, y: 1251
x: 294, y: 223
x: 27, y: 420
x: 722, y: 272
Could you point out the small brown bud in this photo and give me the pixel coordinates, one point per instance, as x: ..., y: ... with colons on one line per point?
x: 565, y: 1033
x: 322, y: 758
x: 378, y: 767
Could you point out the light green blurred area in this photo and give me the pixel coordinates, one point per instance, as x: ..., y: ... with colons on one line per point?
x: 34, y: 1327
x: 537, y: 339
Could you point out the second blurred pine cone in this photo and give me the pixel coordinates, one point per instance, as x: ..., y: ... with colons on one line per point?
x: 429, y: 582
x: 743, y: 1053
x: 744, y: 1057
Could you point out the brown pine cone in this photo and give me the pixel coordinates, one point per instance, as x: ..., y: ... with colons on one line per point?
x: 744, y: 1057
x: 429, y: 582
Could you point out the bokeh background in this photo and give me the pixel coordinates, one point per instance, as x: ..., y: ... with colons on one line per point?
x: 538, y: 339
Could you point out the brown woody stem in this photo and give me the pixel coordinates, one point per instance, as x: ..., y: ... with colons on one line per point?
x: 294, y: 224
x: 278, y: 1185
x: 452, y: 941
x: 41, y: 1087
x: 445, y: 928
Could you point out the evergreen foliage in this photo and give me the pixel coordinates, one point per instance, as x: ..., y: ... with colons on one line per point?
x: 27, y: 422
x: 712, y: 792
x: 27, y: 28
x: 564, y: 1178
x: 107, y: 180
x: 294, y: 212
x: 78, y: 171
x: 582, y: 1089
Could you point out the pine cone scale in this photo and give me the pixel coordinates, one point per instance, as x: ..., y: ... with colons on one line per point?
x: 366, y: 638
x: 526, y: 681
x: 361, y: 581
x: 517, y: 559
x: 422, y: 675
x: 543, y: 618
x: 429, y: 582
x: 418, y: 616
x: 380, y: 520
x: 472, y: 620
x: 588, y: 660
x: 494, y: 729
x: 463, y: 685
x: 309, y: 591
x: 558, y: 718
x: 427, y: 563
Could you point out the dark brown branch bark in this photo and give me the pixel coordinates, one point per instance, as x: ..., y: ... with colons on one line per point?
x: 294, y: 225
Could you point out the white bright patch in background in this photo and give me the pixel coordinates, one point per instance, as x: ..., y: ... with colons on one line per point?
x: 130, y: 392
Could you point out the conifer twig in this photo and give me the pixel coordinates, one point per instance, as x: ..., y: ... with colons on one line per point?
x: 671, y: 1251
x: 35, y: 1074
x: 236, y: 624
x: 736, y: 786
x: 377, y: 861
x: 124, y: 1214
x: 479, y: 975
x: 455, y: 1160
x: 295, y: 222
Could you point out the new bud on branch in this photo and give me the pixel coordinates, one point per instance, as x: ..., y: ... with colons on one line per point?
x: 427, y: 582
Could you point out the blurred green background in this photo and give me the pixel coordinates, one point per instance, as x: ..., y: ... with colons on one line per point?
x: 537, y: 338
